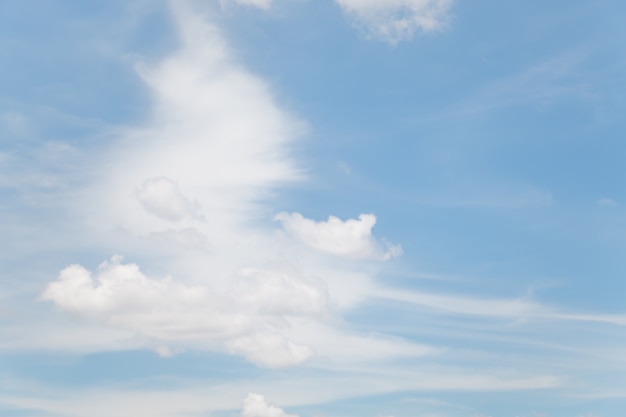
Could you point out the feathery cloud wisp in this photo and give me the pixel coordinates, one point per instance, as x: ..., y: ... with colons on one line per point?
x: 397, y: 20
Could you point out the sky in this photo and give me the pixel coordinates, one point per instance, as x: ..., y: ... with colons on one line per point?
x: 312, y: 208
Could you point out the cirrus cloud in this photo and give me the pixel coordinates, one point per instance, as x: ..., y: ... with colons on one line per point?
x: 397, y: 20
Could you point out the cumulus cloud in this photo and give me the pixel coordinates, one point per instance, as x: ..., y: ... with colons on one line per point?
x: 162, y: 198
x: 244, y: 319
x: 351, y: 238
x: 255, y: 405
x: 397, y: 20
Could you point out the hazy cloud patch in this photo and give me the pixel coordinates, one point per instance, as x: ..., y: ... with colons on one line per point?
x: 397, y: 20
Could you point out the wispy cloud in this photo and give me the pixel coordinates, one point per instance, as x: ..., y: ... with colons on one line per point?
x: 199, y: 397
x: 397, y: 20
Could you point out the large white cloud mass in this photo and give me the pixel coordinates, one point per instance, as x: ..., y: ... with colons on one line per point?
x: 247, y: 319
x: 397, y: 20
x: 186, y: 193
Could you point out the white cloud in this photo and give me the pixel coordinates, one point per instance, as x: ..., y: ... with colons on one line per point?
x: 606, y: 202
x: 214, y: 148
x: 246, y: 320
x: 14, y: 122
x: 187, y: 238
x: 334, y: 346
x: 215, y: 141
x: 255, y: 405
x: 281, y: 292
x: 397, y: 20
x: 261, y: 4
x: 270, y: 349
x: 162, y: 198
x: 198, y: 397
x: 351, y: 238
x: 518, y: 308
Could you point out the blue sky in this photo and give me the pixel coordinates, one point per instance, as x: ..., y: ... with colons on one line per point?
x: 338, y: 208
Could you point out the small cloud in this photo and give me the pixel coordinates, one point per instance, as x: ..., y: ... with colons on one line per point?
x: 606, y: 202
x: 255, y: 405
x: 351, y: 238
x: 397, y: 20
x: 164, y: 352
x: 343, y: 166
x: 14, y: 122
x: 162, y: 198
x: 261, y: 4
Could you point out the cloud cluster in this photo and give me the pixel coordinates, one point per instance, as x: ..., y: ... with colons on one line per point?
x: 247, y: 319
x: 397, y: 20
x: 185, y: 192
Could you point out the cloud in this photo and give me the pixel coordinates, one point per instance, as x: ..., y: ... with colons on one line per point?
x: 351, y: 238
x: 185, y: 192
x: 13, y: 122
x: 397, y: 20
x: 247, y: 319
x: 606, y: 202
x: 270, y: 349
x: 214, y: 147
x: 162, y: 198
x: 198, y: 397
x: 254, y: 405
x: 519, y: 308
x: 188, y: 238
x: 261, y: 4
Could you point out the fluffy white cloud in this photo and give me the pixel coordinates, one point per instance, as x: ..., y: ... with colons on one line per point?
x: 246, y: 318
x: 396, y: 20
x: 162, y: 198
x: 255, y: 405
x: 351, y: 238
